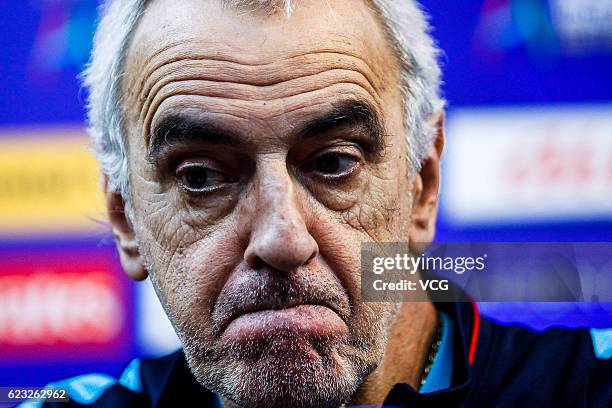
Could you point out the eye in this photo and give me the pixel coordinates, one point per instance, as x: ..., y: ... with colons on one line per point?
x: 197, y: 178
x: 334, y: 165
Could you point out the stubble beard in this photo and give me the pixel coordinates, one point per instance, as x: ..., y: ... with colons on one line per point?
x: 287, y: 371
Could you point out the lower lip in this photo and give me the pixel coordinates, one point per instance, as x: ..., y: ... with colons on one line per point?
x: 303, y: 320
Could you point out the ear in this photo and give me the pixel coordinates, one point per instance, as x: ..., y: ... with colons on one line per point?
x: 124, y: 234
x: 426, y: 188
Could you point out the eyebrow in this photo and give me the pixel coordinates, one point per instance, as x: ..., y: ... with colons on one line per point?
x: 348, y: 114
x: 182, y: 128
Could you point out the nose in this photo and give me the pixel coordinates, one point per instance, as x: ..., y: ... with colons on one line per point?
x: 279, y: 236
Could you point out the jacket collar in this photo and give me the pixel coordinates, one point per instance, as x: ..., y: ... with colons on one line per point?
x: 466, y: 322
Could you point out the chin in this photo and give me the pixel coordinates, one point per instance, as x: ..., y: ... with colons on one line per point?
x: 286, y: 371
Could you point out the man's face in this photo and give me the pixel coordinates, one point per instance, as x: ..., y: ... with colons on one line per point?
x: 263, y: 151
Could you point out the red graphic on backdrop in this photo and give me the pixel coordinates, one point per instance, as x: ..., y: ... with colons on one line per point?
x: 54, y: 303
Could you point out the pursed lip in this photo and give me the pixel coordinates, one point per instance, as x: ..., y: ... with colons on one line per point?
x: 250, y: 308
x: 248, y: 293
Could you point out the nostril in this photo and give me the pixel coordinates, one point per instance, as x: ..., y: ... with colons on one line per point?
x: 257, y: 263
x: 252, y: 259
x: 313, y: 254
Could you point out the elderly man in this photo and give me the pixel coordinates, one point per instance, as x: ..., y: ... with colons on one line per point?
x: 249, y: 148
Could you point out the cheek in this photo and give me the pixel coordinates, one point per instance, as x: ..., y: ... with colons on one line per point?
x: 370, y: 322
x: 382, y: 212
x: 190, y: 280
x: 340, y: 243
x: 373, y: 324
x: 189, y: 259
x: 171, y: 218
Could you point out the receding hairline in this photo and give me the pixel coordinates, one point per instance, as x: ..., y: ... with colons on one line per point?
x: 265, y: 8
x: 268, y: 7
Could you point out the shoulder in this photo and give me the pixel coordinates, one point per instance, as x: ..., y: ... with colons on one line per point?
x: 571, y: 367
x: 592, y: 346
x: 130, y: 389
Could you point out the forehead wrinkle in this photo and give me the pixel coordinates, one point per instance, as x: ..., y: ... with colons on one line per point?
x: 155, y: 74
x: 238, y: 90
x: 286, y: 105
x: 150, y: 65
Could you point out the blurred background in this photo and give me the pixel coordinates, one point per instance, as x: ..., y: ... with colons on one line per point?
x: 529, y: 158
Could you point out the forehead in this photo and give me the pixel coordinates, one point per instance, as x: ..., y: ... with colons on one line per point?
x: 256, y: 56
x: 256, y: 35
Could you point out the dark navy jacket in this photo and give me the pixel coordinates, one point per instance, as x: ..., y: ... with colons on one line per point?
x: 494, y: 366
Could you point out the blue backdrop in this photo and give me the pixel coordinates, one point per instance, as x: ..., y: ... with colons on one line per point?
x: 504, y: 54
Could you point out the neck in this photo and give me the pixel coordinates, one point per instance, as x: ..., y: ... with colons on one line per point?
x: 405, y: 354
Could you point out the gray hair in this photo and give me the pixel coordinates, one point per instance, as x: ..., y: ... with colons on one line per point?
x: 406, y: 27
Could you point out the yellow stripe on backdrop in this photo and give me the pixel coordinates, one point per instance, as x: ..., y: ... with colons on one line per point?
x: 49, y: 182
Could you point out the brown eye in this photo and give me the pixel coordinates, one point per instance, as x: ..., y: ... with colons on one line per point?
x: 198, y: 178
x: 334, y: 165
